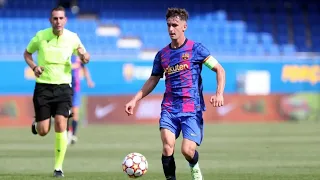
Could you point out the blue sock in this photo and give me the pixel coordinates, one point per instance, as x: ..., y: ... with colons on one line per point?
x: 194, y: 160
x: 74, y: 127
x: 169, y: 167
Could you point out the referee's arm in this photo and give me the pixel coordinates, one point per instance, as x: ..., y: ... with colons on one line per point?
x: 31, y: 48
x: 81, y: 51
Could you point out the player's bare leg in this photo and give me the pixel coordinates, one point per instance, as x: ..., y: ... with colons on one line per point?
x: 42, y: 127
x: 60, y: 144
x: 188, y: 149
x: 168, y: 142
x: 69, y: 128
x: 72, y: 138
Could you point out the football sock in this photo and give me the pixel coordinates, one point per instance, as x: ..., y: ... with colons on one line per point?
x: 60, y: 149
x: 74, y: 127
x: 68, y: 125
x: 169, y: 167
x: 195, y: 159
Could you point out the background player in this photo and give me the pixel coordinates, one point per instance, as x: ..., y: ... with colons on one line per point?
x: 53, y: 94
x: 77, y: 66
x: 181, y: 62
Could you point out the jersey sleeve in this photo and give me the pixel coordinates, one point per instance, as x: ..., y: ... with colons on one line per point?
x: 77, y: 44
x: 33, y: 45
x: 157, y: 69
x: 204, y: 56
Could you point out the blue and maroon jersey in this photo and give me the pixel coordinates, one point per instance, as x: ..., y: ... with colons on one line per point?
x: 182, y: 68
x: 76, y: 73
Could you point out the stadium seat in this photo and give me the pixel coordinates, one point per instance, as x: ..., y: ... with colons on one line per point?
x: 224, y: 27
x: 288, y: 49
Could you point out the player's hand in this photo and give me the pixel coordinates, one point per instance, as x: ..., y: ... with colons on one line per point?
x: 38, y: 70
x: 130, y: 106
x: 217, y: 100
x: 90, y: 84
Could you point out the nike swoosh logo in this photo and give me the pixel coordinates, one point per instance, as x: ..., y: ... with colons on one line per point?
x: 101, y: 112
x: 223, y: 110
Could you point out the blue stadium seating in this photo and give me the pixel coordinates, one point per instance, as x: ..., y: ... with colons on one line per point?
x: 226, y: 27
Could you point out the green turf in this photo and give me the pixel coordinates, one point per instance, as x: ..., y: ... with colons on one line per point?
x: 235, y: 152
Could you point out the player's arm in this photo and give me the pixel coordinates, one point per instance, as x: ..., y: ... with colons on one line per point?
x: 86, y: 73
x: 76, y: 65
x: 32, y: 47
x: 151, y: 83
x: 87, y: 76
x: 147, y: 88
x: 204, y: 57
x: 80, y: 51
x: 214, y: 65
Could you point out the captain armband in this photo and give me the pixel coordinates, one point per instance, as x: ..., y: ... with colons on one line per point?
x: 210, y: 62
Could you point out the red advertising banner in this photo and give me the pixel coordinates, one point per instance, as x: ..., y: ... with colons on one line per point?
x: 243, y: 108
x: 237, y: 108
x: 16, y: 111
x: 110, y: 109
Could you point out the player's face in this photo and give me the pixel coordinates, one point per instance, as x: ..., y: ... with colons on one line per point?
x: 58, y: 19
x: 176, y: 27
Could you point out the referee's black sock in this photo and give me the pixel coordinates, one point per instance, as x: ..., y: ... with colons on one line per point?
x: 169, y: 167
x: 74, y: 127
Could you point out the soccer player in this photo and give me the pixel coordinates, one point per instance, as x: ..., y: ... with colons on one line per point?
x: 181, y: 109
x: 53, y: 93
x: 77, y: 66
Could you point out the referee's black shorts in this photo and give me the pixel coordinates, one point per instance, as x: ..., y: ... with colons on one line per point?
x: 52, y: 99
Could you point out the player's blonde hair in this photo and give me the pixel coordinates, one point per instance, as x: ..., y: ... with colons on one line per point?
x: 180, y: 12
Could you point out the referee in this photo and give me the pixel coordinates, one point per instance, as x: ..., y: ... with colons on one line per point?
x: 53, y: 93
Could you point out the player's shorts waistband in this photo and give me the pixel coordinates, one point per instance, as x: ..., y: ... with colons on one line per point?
x: 180, y: 113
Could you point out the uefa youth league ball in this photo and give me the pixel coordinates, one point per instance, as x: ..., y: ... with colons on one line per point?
x: 135, y: 165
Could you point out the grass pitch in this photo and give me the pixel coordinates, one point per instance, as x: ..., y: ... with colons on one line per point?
x: 229, y: 152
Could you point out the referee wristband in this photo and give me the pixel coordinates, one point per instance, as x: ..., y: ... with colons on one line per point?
x: 34, y: 68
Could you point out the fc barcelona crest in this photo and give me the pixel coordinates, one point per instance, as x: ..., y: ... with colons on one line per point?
x: 185, y: 56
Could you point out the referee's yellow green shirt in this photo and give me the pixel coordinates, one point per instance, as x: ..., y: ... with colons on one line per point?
x: 54, y: 54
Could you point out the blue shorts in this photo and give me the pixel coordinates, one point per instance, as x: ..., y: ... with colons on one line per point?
x: 191, y: 125
x: 76, y: 100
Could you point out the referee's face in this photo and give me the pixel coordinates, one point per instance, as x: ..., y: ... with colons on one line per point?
x: 58, y: 20
x: 176, y: 27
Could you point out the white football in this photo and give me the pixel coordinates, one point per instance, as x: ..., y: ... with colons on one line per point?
x: 135, y: 165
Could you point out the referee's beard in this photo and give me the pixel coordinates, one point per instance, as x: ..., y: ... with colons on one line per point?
x: 57, y: 31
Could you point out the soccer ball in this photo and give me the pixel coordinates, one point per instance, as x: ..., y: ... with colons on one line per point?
x: 135, y: 165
